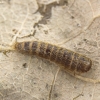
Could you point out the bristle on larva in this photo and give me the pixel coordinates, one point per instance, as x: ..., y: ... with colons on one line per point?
x: 68, y: 59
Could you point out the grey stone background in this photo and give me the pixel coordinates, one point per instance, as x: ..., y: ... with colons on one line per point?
x: 73, y: 24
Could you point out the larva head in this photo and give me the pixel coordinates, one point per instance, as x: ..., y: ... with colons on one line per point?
x: 22, y: 46
x: 18, y: 46
x: 84, y: 64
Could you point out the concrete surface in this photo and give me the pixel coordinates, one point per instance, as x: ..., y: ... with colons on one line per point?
x: 73, y: 24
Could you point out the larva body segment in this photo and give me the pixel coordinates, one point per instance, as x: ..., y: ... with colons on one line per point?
x: 68, y: 59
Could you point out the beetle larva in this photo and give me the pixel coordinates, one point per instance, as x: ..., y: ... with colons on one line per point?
x: 68, y: 59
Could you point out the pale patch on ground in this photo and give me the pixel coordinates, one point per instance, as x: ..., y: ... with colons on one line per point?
x: 73, y: 24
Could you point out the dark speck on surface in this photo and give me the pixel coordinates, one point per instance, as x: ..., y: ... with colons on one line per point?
x: 25, y: 65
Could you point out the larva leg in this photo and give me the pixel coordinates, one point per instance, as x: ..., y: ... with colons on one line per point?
x: 80, y: 93
x: 19, y: 31
x: 53, y: 83
x: 78, y: 76
x: 18, y: 36
x: 77, y: 96
x: 15, y: 38
x: 9, y: 47
x: 87, y: 79
x: 84, y: 78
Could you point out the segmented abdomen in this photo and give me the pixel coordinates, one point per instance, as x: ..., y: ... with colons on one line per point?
x: 68, y: 59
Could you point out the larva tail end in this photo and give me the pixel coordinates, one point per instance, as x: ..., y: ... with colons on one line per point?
x: 84, y: 67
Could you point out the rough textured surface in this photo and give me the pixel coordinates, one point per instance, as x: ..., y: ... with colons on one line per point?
x: 73, y: 24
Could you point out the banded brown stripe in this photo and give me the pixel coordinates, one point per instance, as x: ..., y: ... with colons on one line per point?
x: 26, y: 46
x: 48, y: 51
x: 75, y: 62
x: 33, y: 48
x: 54, y: 53
x: 60, y: 55
x: 66, y: 59
x: 42, y: 49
